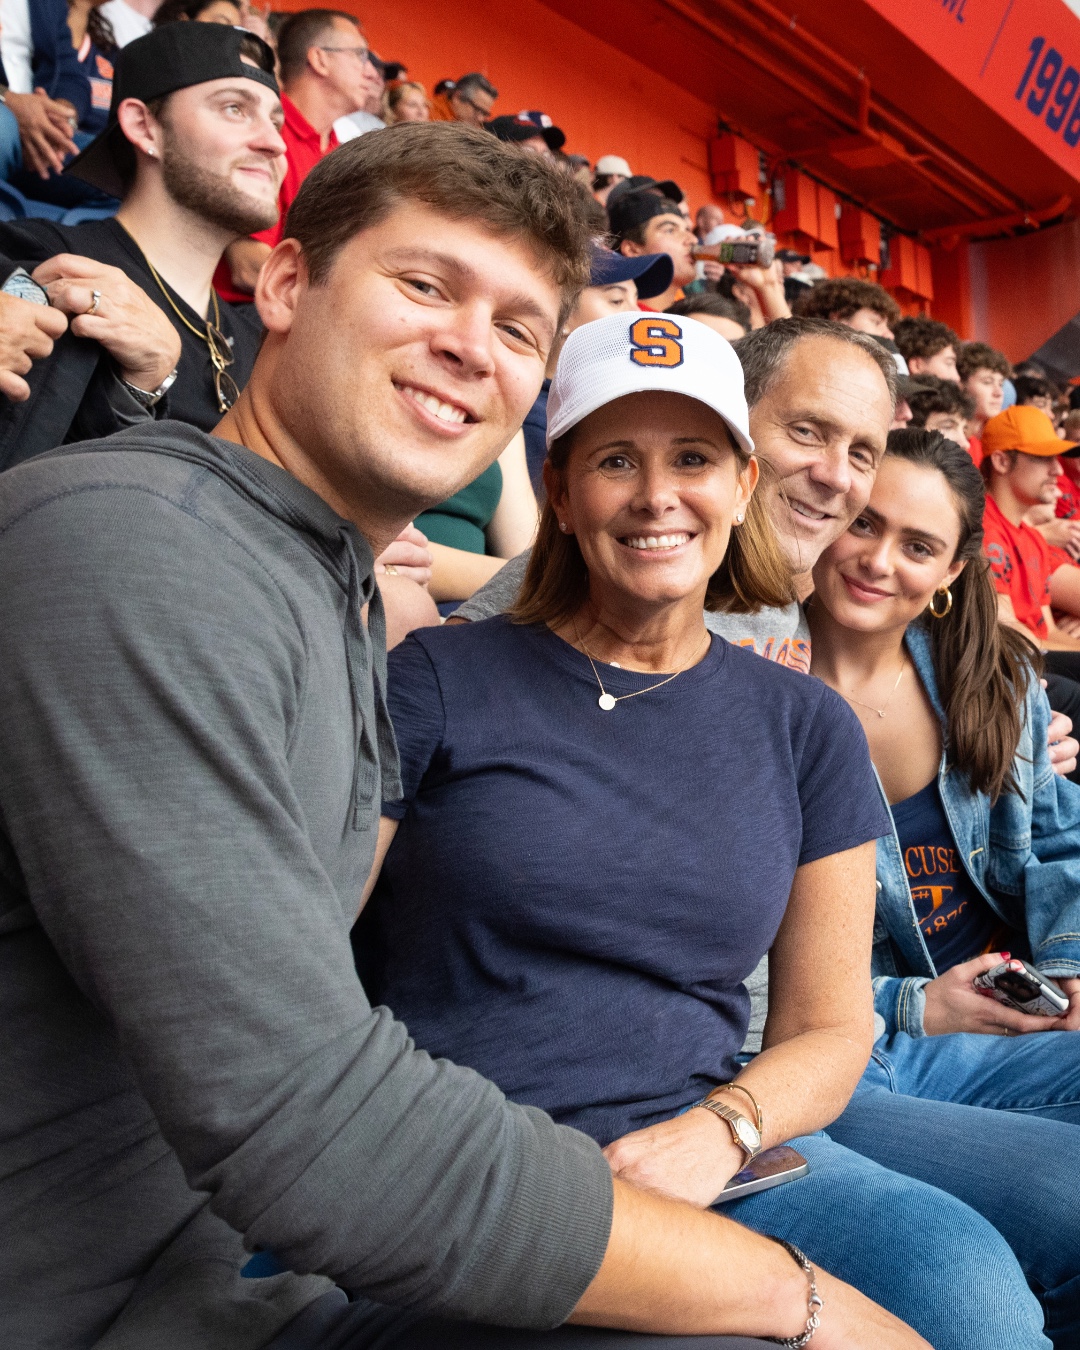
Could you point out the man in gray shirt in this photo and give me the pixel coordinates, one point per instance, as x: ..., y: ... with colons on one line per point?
x: 196, y: 744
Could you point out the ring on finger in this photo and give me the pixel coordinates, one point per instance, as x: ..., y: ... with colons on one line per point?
x: 95, y: 300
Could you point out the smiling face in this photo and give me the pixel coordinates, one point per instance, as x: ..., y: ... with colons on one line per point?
x: 649, y: 491
x: 987, y: 388
x: 821, y: 428
x: 412, y: 106
x: 400, y: 377
x: 883, y: 572
x: 221, y: 153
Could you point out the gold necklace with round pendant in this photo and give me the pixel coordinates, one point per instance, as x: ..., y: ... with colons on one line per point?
x: 608, y: 701
x: 880, y: 711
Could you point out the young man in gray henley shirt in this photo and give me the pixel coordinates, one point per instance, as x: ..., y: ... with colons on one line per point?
x: 195, y: 747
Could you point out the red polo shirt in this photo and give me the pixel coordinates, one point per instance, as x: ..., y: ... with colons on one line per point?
x: 1022, y: 564
x: 303, y: 151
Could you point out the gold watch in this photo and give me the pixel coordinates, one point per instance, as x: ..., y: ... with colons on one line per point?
x: 745, y: 1133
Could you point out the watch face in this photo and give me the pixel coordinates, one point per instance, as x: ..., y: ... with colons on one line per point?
x: 748, y: 1133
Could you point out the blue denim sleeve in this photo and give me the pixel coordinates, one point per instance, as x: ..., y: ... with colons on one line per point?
x: 1052, y: 870
x: 900, y: 1001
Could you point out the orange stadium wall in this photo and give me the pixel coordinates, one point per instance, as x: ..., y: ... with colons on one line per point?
x: 1013, y: 293
x: 606, y: 102
x: 1023, y: 290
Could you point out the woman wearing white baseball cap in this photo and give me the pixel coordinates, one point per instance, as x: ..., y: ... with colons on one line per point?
x: 610, y: 815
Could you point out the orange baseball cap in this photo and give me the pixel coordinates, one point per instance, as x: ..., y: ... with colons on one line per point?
x: 1026, y: 429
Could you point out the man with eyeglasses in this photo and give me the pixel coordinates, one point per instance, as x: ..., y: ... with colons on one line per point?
x: 469, y: 99
x: 193, y: 149
x: 327, y: 72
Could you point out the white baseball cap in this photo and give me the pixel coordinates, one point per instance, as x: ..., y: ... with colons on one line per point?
x: 638, y: 353
x: 613, y: 164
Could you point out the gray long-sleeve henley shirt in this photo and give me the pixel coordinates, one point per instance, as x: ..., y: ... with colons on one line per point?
x: 192, y: 736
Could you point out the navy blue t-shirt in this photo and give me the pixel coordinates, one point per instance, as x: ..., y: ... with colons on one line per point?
x: 955, y: 920
x: 574, y: 897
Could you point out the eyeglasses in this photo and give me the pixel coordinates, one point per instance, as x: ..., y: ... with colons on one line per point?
x: 221, y: 355
x: 485, y: 113
x: 362, y: 54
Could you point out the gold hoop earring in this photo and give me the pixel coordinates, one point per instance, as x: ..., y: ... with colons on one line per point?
x: 947, y: 593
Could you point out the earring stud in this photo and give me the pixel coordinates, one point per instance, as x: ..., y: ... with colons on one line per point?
x: 563, y: 526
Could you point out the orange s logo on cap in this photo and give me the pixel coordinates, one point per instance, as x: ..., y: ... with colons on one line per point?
x: 656, y: 342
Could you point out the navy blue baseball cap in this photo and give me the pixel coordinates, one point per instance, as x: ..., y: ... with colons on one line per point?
x: 652, y: 272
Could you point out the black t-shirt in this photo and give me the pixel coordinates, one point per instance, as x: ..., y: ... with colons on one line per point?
x: 192, y: 398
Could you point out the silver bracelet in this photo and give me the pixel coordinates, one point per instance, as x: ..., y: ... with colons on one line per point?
x: 814, y: 1304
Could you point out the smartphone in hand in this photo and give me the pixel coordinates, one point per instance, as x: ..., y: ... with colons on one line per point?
x: 1019, y: 985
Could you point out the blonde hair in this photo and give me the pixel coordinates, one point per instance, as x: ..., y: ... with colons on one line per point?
x: 393, y: 95
x: 754, y: 573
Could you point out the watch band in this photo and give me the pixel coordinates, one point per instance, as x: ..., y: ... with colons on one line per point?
x: 731, y: 1117
x: 738, y: 1087
x: 150, y: 398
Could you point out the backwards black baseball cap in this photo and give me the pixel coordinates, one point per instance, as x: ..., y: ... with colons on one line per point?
x: 641, y: 182
x: 635, y: 208
x: 174, y: 56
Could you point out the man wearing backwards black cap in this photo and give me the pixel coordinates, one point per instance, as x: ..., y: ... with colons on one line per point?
x: 193, y: 148
x: 644, y: 223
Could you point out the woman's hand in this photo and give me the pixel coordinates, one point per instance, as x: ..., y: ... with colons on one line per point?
x: 408, y: 556
x: 954, y: 1005
x: 691, y: 1157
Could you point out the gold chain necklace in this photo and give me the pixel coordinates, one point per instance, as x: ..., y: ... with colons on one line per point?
x: 225, y: 386
x: 607, y: 701
x: 880, y: 711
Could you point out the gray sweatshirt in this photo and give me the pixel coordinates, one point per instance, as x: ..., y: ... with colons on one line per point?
x: 195, y: 746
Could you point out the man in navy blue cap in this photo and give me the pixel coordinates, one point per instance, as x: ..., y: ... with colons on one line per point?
x: 533, y: 131
x: 615, y: 283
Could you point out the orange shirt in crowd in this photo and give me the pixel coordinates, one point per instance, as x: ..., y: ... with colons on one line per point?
x: 975, y: 450
x: 303, y: 152
x: 1022, y: 565
x: 441, y: 110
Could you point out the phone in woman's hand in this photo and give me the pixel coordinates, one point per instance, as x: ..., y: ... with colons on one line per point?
x: 1019, y: 985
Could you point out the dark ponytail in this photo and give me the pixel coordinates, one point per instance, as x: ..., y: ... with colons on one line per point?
x: 982, y: 667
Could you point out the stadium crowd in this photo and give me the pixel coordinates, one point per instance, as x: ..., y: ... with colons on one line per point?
x: 539, y: 799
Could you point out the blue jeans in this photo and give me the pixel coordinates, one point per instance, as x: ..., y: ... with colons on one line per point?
x: 926, y: 1256
x: 992, y: 1122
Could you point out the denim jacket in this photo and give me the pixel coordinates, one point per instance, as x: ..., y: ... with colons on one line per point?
x: 1022, y: 854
